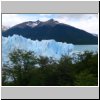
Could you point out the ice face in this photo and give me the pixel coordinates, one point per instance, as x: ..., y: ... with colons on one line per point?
x: 49, y: 48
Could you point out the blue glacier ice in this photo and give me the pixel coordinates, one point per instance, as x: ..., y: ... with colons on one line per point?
x: 49, y: 48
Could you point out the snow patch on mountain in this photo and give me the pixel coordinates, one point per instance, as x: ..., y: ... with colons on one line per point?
x: 32, y: 24
x: 49, y: 48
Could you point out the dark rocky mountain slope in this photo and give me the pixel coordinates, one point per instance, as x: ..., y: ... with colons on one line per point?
x: 51, y: 29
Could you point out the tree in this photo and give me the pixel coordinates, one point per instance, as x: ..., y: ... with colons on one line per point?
x: 25, y: 69
x: 21, y: 65
x: 64, y: 71
x: 85, y: 78
x: 86, y: 70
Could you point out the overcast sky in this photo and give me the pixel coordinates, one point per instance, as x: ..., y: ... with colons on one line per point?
x: 87, y: 22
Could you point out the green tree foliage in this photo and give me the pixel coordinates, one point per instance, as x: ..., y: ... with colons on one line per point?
x: 86, y: 69
x: 85, y: 78
x: 21, y: 66
x: 25, y: 69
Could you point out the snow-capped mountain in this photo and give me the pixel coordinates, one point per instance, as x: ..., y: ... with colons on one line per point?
x: 51, y: 29
x: 49, y: 48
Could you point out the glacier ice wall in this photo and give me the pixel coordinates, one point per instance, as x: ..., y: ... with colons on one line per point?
x: 49, y: 48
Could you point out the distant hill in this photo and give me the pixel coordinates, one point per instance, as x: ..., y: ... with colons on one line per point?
x: 4, y: 28
x: 51, y: 29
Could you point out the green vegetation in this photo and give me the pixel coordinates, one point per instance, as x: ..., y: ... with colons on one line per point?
x: 25, y: 69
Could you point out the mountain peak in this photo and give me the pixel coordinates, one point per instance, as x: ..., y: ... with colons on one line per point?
x: 51, y: 20
x: 52, y: 29
x: 38, y: 21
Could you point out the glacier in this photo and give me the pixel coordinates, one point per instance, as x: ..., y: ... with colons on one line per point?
x: 49, y: 48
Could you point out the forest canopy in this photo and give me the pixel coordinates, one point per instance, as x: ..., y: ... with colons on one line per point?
x: 24, y: 68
